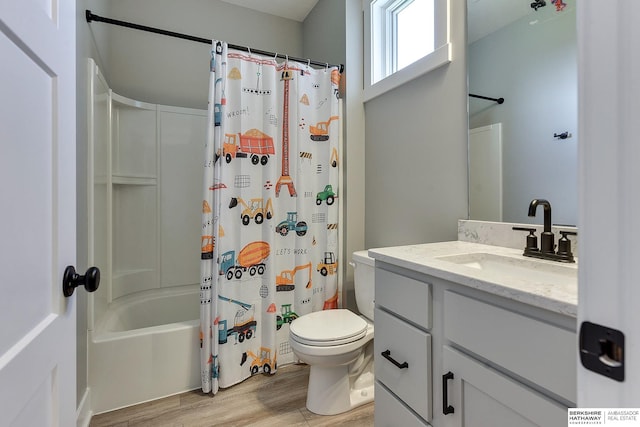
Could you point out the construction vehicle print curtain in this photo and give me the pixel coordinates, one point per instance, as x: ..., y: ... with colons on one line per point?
x: 269, y: 210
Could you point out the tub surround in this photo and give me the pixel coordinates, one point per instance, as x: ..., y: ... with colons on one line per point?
x: 137, y: 354
x: 150, y: 309
x: 143, y: 327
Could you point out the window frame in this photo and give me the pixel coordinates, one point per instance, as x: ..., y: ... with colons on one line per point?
x: 380, y: 56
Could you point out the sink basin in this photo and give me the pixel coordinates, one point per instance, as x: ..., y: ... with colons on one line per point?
x: 523, y: 268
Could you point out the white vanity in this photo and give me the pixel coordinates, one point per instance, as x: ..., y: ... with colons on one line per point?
x: 473, y: 334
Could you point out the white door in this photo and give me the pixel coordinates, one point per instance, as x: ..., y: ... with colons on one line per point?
x: 485, y: 173
x: 37, y: 212
x: 609, y: 153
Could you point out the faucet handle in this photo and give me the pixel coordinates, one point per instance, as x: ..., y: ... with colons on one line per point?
x: 564, y: 245
x: 532, y: 239
x: 531, y: 230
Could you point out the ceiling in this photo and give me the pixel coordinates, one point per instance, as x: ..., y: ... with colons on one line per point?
x: 290, y: 9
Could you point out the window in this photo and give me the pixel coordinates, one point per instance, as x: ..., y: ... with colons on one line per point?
x: 403, y: 40
x: 414, y: 32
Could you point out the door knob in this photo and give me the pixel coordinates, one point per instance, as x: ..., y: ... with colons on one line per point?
x: 71, y: 280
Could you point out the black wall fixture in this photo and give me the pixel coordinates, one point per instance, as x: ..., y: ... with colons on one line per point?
x: 92, y: 17
x: 498, y: 100
x: 563, y: 135
x: 538, y: 4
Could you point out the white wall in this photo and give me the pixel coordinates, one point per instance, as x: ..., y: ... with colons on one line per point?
x: 85, y: 48
x: 416, y: 153
x: 534, y: 68
x: 354, y: 148
x: 323, y: 32
x: 333, y: 32
x: 169, y: 71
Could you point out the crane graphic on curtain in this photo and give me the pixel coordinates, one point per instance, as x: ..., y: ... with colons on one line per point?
x: 269, y: 210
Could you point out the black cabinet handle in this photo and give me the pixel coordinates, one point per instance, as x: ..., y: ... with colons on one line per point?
x: 446, y: 408
x: 387, y: 355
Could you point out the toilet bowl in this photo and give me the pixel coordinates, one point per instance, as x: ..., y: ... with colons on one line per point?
x: 338, y: 346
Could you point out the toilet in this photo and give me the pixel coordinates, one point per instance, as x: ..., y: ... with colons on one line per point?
x: 338, y: 346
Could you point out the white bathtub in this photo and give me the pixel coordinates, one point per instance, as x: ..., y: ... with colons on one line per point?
x: 146, y: 346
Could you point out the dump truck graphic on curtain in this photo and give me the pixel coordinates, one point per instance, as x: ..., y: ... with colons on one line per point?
x: 254, y: 144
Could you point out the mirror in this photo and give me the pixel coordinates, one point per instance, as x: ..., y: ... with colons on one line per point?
x: 526, y: 147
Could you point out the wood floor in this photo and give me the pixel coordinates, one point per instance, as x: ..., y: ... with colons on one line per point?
x: 263, y: 400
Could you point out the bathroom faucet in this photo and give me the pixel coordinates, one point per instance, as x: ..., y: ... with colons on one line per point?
x: 547, y: 245
x: 546, y: 240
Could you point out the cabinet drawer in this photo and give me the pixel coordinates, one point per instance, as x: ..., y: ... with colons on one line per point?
x: 406, y: 297
x: 409, y: 344
x: 542, y: 353
x: 390, y: 412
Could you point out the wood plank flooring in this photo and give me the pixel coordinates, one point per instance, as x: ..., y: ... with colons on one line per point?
x: 263, y: 400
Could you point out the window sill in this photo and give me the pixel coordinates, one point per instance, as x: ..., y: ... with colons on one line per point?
x: 436, y: 59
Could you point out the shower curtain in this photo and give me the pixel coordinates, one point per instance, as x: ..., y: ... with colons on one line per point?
x: 270, y: 210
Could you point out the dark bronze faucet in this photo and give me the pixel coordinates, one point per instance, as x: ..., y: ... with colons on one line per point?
x: 547, y: 245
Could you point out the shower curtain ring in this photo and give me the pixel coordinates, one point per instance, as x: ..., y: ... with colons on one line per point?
x: 326, y: 66
x: 249, y: 50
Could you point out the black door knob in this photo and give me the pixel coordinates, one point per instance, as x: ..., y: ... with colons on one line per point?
x: 71, y: 280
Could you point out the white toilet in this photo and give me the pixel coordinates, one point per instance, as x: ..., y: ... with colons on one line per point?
x: 338, y: 346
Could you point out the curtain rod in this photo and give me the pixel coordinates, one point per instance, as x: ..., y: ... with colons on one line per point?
x: 93, y: 17
x: 498, y: 100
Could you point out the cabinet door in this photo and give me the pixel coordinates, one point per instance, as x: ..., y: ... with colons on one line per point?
x: 482, y: 397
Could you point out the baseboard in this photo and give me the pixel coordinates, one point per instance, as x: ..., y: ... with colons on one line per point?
x: 84, y: 412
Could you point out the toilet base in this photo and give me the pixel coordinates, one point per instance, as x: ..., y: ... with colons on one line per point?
x: 332, y: 390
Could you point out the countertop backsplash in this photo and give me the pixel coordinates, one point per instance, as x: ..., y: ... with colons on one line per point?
x: 502, y: 234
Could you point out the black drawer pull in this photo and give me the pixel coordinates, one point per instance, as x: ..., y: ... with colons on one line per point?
x: 387, y: 355
x: 446, y: 408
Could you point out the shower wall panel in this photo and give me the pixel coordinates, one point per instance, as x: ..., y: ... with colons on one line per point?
x: 147, y: 167
x: 182, y: 134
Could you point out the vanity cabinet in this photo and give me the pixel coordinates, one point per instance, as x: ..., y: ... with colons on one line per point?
x: 491, y: 360
x: 481, y: 396
x: 402, y: 346
x: 539, y: 354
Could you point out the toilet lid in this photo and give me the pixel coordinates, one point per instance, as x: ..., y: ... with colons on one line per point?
x: 328, y: 327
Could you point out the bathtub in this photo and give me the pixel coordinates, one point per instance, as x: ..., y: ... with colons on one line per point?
x: 145, y: 346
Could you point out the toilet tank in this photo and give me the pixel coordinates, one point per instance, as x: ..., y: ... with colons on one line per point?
x: 364, y: 284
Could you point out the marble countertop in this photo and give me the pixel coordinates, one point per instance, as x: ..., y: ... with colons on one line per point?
x: 560, y: 297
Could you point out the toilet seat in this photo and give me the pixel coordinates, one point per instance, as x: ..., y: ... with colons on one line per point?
x: 328, y: 328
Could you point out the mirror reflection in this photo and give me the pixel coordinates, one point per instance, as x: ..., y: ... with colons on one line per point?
x: 526, y: 147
